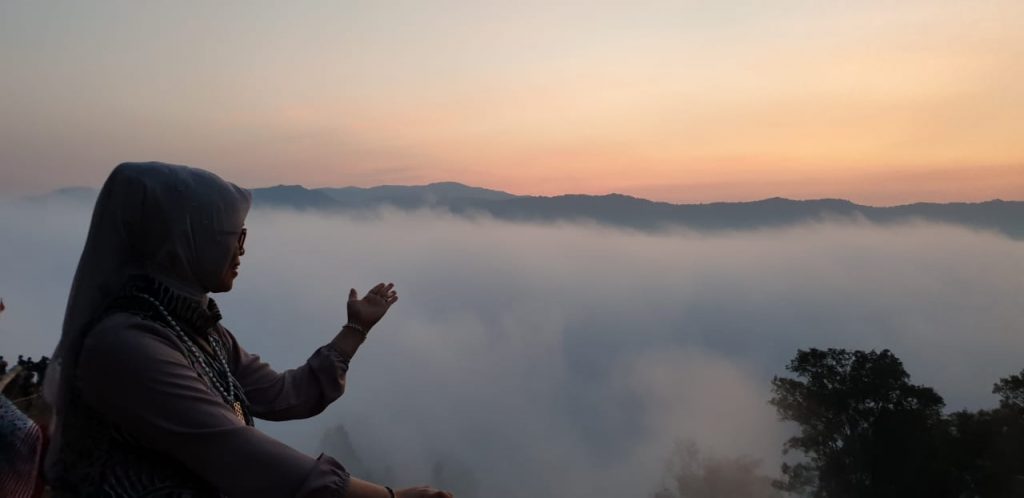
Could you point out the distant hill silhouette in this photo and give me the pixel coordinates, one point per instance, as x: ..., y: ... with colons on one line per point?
x: 294, y: 196
x: 415, y: 196
x: 620, y: 210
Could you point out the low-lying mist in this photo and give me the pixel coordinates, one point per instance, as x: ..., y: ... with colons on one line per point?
x: 565, y: 360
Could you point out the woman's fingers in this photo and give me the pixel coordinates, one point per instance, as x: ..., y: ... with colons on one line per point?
x: 383, y: 291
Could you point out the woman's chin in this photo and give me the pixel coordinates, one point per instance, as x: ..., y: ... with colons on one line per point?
x: 225, y: 285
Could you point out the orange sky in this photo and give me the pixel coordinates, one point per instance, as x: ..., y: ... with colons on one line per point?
x: 878, y: 102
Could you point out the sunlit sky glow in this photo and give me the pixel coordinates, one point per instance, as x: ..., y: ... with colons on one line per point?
x: 878, y: 102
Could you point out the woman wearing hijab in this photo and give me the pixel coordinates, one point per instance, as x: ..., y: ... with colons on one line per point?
x: 153, y: 396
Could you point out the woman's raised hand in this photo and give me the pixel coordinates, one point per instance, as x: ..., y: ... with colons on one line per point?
x: 422, y: 492
x: 366, y: 312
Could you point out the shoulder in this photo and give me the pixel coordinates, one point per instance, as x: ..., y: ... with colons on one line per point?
x: 120, y: 328
x: 126, y: 342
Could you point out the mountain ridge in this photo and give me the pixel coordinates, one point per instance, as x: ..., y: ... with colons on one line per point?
x: 621, y: 210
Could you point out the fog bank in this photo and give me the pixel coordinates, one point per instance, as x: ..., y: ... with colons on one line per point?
x: 563, y: 360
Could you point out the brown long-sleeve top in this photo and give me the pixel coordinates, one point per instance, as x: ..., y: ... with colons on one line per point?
x: 132, y: 371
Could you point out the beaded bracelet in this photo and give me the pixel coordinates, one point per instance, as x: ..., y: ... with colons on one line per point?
x: 359, y: 329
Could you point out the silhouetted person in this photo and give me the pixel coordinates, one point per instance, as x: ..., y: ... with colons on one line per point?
x: 145, y: 370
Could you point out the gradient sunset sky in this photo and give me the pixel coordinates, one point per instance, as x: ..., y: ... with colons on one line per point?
x: 877, y: 102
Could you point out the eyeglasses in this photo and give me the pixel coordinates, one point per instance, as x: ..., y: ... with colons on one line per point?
x: 241, y: 236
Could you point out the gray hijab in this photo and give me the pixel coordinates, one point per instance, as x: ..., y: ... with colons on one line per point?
x: 163, y: 220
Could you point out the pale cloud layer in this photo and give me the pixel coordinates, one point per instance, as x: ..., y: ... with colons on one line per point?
x: 563, y: 360
x: 673, y: 100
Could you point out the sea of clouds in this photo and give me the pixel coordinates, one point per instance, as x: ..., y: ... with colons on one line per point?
x: 566, y: 359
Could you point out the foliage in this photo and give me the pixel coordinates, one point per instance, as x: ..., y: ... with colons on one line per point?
x: 988, y: 445
x: 1011, y: 391
x: 865, y: 430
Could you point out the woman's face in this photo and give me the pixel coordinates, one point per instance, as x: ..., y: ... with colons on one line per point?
x: 231, y: 245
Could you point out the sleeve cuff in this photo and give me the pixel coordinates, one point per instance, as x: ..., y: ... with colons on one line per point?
x: 340, y: 360
x: 327, y: 479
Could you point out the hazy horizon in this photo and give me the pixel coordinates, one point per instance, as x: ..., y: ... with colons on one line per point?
x: 96, y: 187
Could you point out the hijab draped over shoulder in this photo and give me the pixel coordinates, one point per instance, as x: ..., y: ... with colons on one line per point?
x: 155, y: 219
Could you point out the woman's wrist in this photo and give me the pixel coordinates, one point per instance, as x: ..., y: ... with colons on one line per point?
x: 347, y: 341
x: 361, y: 329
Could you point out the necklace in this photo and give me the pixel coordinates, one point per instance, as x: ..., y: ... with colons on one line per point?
x: 226, y: 387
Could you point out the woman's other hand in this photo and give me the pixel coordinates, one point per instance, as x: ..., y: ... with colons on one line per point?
x: 366, y: 312
x: 422, y: 492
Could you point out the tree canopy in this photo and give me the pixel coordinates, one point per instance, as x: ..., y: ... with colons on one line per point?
x: 866, y: 430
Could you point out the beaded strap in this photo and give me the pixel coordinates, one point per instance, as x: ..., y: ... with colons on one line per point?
x: 227, y: 389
